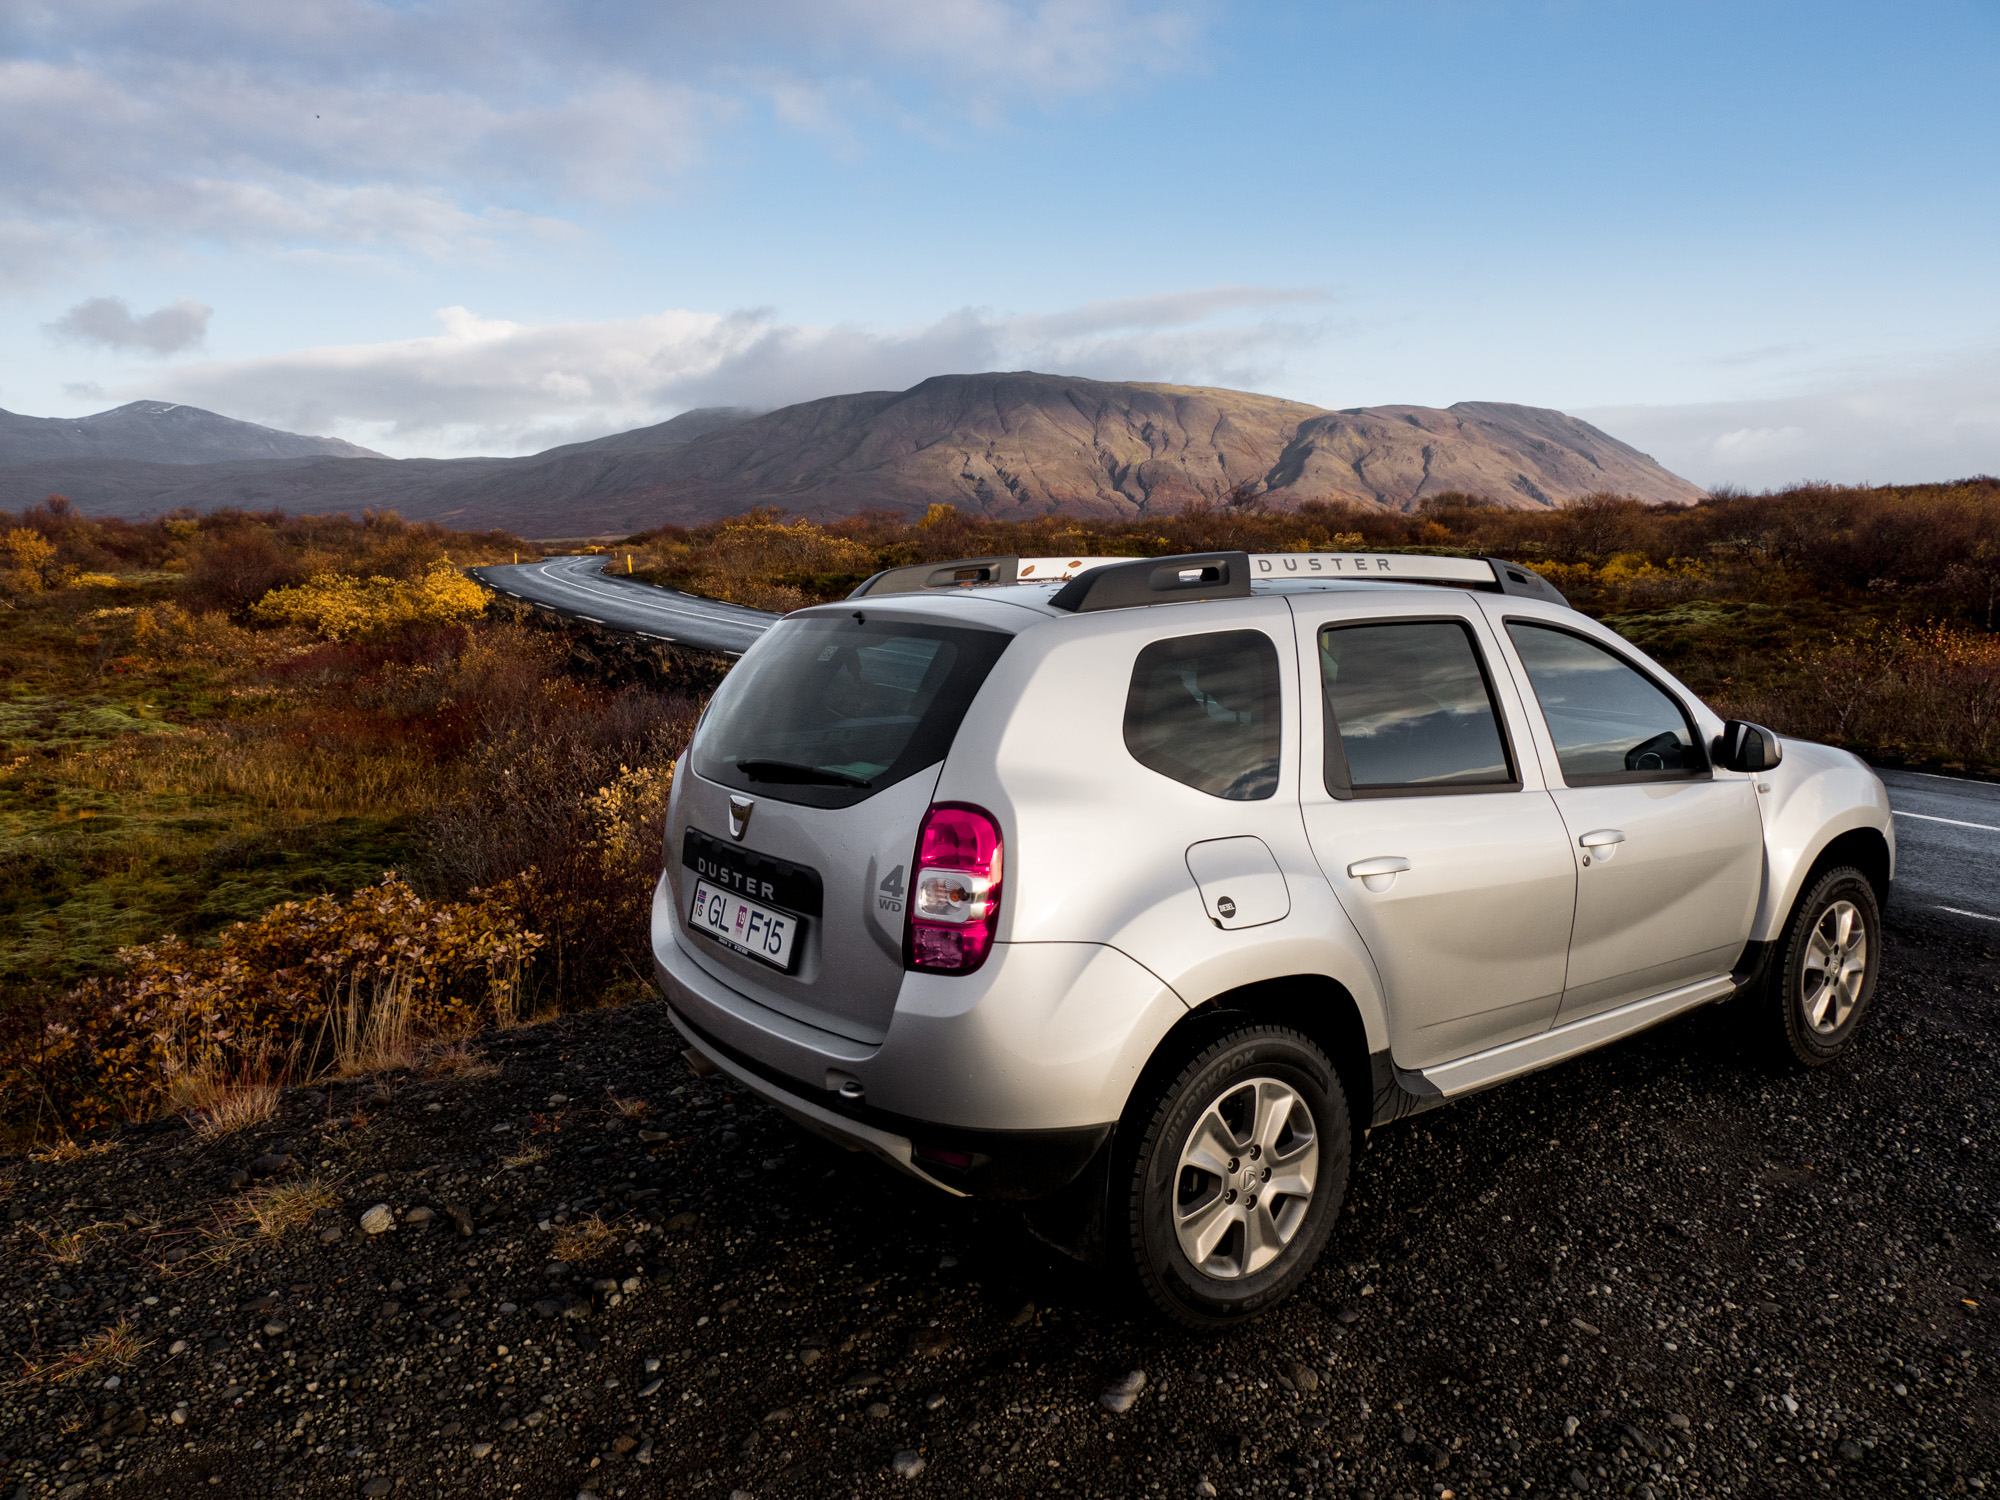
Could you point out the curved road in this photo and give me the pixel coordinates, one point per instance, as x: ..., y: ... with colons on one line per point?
x: 580, y: 588
x: 1947, y: 828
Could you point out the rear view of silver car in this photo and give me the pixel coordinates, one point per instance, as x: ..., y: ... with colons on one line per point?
x: 1143, y: 893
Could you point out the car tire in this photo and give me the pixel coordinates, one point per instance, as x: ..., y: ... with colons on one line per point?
x: 1820, y: 986
x: 1242, y: 1159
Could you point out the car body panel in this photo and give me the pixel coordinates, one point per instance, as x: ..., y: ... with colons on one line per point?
x: 1817, y: 793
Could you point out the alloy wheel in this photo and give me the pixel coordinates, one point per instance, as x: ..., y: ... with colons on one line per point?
x: 1245, y: 1178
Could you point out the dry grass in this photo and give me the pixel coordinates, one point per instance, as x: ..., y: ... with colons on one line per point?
x: 582, y: 1240
x: 285, y: 1205
x: 67, y: 1150
x: 69, y: 1247
x: 117, y: 1347
x: 460, y: 1059
x: 627, y: 1109
x: 217, y: 1106
x: 527, y: 1156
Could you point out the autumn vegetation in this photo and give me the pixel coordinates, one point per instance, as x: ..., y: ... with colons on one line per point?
x: 283, y: 797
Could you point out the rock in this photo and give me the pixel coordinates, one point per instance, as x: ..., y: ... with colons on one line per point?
x: 381, y: 1484
x: 1570, y: 1425
x: 1348, y: 1315
x: 878, y: 1409
x: 681, y: 1223
x: 259, y: 1304
x: 1438, y: 1458
x: 1848, y: 1449
x: 178, y: 1346
x: 623, y: 1445
x: 1304, y: 1377
x: 654, y: 1137
x: 907, y: 1464
x: 548, y: 1309
x: 534, y: 1419
x: 1117, y: 1397
x: 929, y: 1342
x: 933, y: 1401
x: 782, y: 1417
x: 1579, y: 1481
x: 480, y: 1450
x: 861, y: 1380
x: 1023, y: 1316
x: 419, y: 1216
x: 378, y: 1220
x: 269, y: 1166
x: 650, y: 1388
x: 274, y: 1330
x: 946, y: 1262
x: 174, y: 1257
x: 462, y: 1217
x: 1204, y: 1489
x: 809, y: 1356
x: 328, y: 1236
x: 1583, y: 1327
x: 1678, y: 1419
x: 558, y: 1100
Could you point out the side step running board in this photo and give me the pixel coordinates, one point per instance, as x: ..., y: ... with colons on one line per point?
x: 1498, y: 1064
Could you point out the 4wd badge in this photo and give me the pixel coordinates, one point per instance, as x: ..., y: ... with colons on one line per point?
x: 889, y: 894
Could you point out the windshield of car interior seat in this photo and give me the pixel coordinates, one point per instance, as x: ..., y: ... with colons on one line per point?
x: 829, y: 709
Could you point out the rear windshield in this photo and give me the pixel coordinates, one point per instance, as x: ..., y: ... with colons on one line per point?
x: 829, y: 709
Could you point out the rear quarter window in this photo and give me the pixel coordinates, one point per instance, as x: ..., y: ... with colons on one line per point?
x: 829, y: 709
x: 1204, y: 710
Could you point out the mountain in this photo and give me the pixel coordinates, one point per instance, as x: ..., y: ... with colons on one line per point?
x: 1006, y: 445
x: 159, y: 432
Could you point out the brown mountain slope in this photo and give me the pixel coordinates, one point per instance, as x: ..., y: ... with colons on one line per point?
x: 1010, y: 446
x: 1024, y: 444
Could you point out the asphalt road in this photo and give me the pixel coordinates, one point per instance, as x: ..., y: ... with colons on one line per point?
x: 1947, y: 845
x: 580, y: 588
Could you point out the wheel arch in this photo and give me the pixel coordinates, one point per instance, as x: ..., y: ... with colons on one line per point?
x: 1319, y: 1006
x: 1865, y: 849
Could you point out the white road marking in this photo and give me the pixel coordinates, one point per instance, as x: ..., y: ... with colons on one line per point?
x: 1955, y: 822
x: 1961, y: 780
x: 592, y: 618
x: 1959, y: 911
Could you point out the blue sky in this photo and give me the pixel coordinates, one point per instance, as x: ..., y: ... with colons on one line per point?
x: 1756, y: 240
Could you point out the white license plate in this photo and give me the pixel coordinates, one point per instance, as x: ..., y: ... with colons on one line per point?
x: 758, y: 931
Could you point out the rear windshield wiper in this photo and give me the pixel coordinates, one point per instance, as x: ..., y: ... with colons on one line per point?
x: 785, y: 770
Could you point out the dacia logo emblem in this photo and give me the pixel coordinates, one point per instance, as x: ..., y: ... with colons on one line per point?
x: 740, y: 809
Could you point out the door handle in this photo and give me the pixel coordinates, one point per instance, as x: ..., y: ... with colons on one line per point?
x: 1599, y: 838
x: 1380, y: 873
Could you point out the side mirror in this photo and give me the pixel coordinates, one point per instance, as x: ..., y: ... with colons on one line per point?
x: 1746, y: 747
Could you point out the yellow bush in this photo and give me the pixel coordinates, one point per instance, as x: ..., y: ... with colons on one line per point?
x: 338, y: 605
x: 332, y: 983
x: 27, y: 558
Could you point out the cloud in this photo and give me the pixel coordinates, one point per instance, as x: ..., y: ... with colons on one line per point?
x: 488, y: 385
x: 1903, y: 421
x: 443, y: 128
x: 109, y: 321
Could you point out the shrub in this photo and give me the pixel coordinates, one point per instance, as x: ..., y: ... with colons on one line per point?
x: 331, y: 983
x: 339, y: 606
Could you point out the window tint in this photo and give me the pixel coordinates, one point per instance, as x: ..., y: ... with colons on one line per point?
x: 1203, y: 709
x: 1608, y: 721
x: 1410, y: 709
x: 828, y: 709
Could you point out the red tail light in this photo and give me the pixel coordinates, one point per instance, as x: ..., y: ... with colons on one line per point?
x: 955, y: 897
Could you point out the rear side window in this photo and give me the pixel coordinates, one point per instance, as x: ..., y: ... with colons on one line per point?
x: 1410, y: 711
x: 827, y: 710
x: 1204, y: 710
x: 1610, y: 723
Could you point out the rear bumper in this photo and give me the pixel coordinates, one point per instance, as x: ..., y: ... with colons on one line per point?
x: 965, y: 1163
x: 1001, y: 1083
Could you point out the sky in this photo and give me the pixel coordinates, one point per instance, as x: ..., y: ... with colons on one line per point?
x: 1756, y: 240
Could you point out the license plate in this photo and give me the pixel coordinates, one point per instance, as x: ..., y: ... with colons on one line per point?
x: 753, y: 930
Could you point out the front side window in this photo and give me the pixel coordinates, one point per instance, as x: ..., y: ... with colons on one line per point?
x: 829, y: 709
x: 1409, y: 711
x: 1610, y: 723
x: 1204, y: 709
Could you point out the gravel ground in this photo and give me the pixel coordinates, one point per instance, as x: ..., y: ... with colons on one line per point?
x: 1658, y: 1271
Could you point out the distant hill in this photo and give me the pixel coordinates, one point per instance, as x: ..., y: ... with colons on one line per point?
x: 159, y: 432
x: 1007, y: 445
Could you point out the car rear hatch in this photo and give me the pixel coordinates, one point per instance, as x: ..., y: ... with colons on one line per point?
x: 791, y: 841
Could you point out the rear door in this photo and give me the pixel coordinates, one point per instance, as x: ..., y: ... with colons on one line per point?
x: 1669, y: 853
x: 811, y: 772
x: 1427, y: 813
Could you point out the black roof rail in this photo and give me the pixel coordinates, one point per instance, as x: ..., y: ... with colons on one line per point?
x: 1515, y: 578
x: 1158, y: 580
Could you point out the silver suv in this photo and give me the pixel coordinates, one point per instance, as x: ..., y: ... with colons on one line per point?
x: 1143, y: 889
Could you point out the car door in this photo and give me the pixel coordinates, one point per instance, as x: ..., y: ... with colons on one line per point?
x: 1669, y: 852
x: 1426, y: 811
